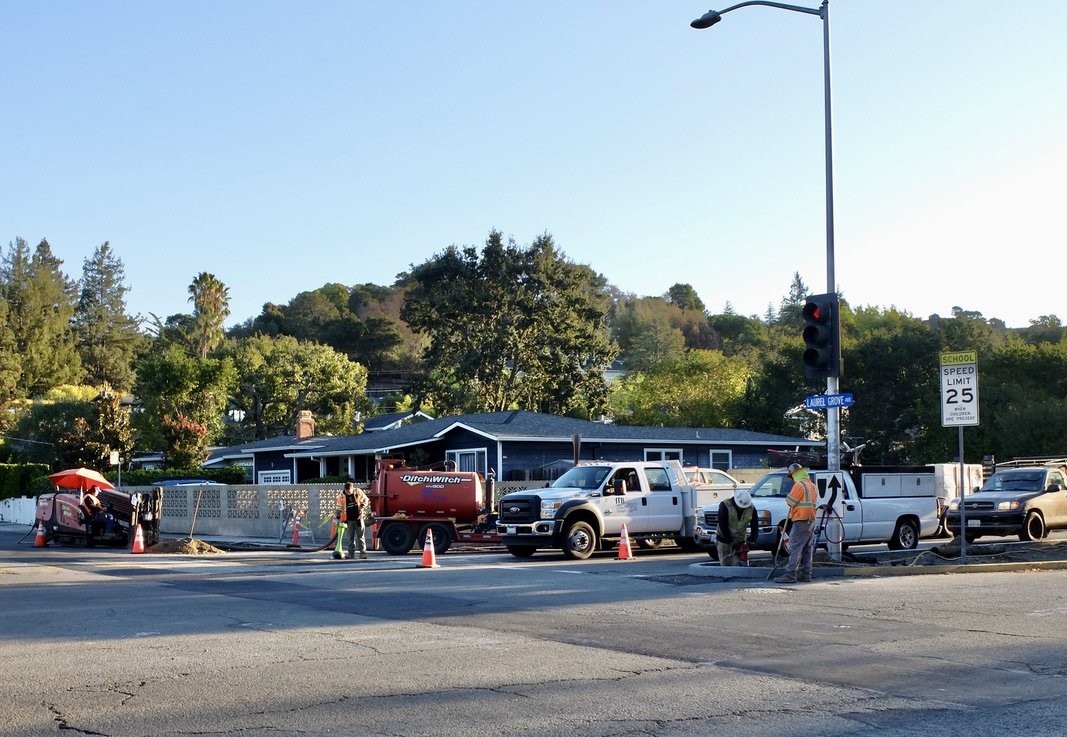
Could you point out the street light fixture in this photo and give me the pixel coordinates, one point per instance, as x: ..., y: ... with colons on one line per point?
x: 710, y: 18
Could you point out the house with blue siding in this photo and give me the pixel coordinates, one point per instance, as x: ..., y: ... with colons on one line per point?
x: 516, y: 446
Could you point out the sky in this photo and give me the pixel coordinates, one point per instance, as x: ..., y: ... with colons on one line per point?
x: 282, y: 146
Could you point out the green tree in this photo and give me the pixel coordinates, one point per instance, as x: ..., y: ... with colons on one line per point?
x: 695, y: 389
x: 181, y: 395
x: 891, y: 368
x: 9, y: 362
x: 685, y: 297
x: 40, y: 301
x: 76, y: 426
x: 513, y: 327
x: 108, y: 338
x: 211, y: 307
x: 279, y: 377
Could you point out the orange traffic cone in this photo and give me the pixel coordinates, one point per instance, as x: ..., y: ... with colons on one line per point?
x: 40, y: 541
x: 138, y: 540
x: 625, y: 552
x: 296, y: 533
x: 429, y: 555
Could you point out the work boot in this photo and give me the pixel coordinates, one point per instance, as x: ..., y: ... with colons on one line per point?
x: 802, y: 578
x: 363, y: 555
x: 786, y: 578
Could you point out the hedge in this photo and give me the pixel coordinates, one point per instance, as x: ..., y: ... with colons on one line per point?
x: 22, y: 479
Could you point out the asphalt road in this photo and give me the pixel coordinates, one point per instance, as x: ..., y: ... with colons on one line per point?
x: 286, y: 643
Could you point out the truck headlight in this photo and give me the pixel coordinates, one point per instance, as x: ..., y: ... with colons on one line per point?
x: 1007, y: 506
x: 954, y: 505
x: 548, y: 508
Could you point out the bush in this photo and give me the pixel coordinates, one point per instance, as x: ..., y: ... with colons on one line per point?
x: 21, y: 479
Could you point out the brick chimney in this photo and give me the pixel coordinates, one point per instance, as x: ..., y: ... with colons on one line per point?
x: 305, y: 425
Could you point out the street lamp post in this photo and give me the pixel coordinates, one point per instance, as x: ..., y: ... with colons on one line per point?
x: 710, y: 18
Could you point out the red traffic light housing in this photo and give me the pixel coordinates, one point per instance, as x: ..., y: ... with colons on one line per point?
x: 822, y: 337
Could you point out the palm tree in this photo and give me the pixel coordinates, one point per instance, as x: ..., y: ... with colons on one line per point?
x: 211, y: 307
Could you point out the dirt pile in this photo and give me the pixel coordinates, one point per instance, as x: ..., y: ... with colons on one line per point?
x: 184, y: 546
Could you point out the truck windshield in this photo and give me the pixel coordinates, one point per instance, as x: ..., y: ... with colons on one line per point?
x: 582, y: 477
x: 1015, y: 481
x: 775, y: 484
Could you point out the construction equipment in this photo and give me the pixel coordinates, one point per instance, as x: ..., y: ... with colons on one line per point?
x: 409, y: 502
x: 65, y: 520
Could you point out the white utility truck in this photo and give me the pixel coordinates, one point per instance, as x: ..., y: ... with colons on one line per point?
x: 890, y: 505
x: 585, y: 509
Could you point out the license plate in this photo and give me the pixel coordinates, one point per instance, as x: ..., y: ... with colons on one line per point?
x: 974, y: 523
x: 511, y: 529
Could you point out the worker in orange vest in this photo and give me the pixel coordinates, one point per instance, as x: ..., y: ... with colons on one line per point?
x: 351, y: 510
x: 801, y: 500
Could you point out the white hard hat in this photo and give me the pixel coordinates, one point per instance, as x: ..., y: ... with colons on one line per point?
x: 742, y: 498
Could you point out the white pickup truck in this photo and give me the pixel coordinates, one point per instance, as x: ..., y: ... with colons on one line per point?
x: 586, y: 508
x: 876, y: 506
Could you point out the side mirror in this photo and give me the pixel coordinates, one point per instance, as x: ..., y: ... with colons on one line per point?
x: 620, y: 487
x: 1054, y: 487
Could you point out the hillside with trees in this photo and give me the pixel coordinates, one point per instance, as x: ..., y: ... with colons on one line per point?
x: 486, y: 328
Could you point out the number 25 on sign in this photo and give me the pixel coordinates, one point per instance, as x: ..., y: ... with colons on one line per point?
x: 959, y: 388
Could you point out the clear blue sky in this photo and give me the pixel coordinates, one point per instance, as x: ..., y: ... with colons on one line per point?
x: 285, y: 145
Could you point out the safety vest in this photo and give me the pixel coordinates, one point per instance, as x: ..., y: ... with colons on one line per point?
x: 738, y: 520
x: 349, y: 505
x: 801, y: 500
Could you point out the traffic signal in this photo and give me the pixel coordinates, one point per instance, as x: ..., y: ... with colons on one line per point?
x: 822, y: 337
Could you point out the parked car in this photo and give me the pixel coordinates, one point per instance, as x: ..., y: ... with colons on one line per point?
x: 1027, y: 501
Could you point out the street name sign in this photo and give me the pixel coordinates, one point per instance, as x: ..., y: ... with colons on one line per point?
x: 825, y: 401
x: 959, y: 388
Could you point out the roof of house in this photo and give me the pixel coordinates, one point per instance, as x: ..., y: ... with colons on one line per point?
x: 513, y: 426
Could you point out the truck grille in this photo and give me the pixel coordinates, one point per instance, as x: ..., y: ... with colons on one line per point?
x: 978, y: 506
x: 711, y: 518
x: 520, y: 509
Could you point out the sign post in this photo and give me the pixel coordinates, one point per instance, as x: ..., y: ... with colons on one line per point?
x: 959, y: 408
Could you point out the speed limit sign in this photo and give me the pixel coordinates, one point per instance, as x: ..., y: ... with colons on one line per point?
x: 959, y: 388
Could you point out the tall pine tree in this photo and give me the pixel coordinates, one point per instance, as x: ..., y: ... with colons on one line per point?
x: 107, y: 337
x: 40, y: 300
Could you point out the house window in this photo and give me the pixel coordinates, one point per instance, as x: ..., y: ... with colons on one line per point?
x: 468, y: 460
x: 276, y: 477
x: 722, y: 459
x: 663, y: 454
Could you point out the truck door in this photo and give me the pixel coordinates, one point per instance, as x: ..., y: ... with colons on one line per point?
x: 626, y: 508
x: 663, y: 503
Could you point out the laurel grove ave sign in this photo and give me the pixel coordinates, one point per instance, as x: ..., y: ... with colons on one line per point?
x: 959, y: 389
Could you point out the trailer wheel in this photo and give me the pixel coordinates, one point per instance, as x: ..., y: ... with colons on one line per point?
x: 522, y: 551
x: 397, y: 538
x: 579, y: 541
x: 905, y: 536
x: 442, y: 537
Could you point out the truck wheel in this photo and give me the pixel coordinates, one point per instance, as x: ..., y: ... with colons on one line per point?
x: 1033, y: 527
x: 442, y: 537
x: 579, y: 541
x: 905, y: 537
x: 522, y: 551
x: 397, y: 538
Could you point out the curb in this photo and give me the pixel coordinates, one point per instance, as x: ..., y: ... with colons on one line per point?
x: 714, y: 570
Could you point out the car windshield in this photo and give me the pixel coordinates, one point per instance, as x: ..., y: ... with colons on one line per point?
x: 775, y: 484
x: 582, y: 477
x: 1015, y: 481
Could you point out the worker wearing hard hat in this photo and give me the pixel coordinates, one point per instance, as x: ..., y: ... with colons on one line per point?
x: 350, y: 510
x: 736, y: 529
x: 801, y: 499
